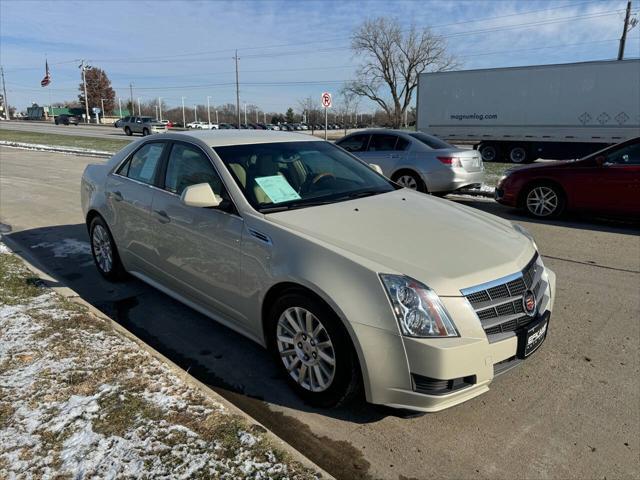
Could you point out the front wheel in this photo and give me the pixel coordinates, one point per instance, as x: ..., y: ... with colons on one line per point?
x: 104, y: 251
x: 127, y: 130
x: 544, y: 201
x: 313, y: 350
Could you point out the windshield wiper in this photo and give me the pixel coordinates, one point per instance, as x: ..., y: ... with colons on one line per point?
x: 360, y: 194
x: 294, y: 206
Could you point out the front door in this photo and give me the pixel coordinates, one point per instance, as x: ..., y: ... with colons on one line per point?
x: 382, y: 151
x: 198, y: 249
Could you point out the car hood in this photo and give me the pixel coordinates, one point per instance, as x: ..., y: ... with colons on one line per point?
x: 443, y: 244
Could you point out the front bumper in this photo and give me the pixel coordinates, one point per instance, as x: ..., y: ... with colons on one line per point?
x: 450, y: 179
x: 465, y: 366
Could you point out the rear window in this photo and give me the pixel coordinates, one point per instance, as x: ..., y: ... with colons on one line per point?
x: 431, y: 142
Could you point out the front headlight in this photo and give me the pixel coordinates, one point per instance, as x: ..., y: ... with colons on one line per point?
x: 526, y: 233
x: 417, y: 308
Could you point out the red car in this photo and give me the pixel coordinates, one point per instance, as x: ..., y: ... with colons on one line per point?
x: 606, y: 182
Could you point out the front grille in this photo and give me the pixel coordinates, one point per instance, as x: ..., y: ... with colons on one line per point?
x: 498, y: 304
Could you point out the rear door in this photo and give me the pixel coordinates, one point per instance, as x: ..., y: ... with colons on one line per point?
x: 198, y: 249
x: 129, y: 191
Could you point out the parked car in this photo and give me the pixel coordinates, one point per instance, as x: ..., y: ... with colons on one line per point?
x: 143, y: 125
x: 167, y: 123
x: 65, y: 119
x: 277, y: 236
x: 606, y: 182
x: 193, y: 125
x: 416, y: 160
x: 225, y: 126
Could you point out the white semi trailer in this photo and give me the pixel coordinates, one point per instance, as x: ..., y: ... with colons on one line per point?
x: 523, y: 113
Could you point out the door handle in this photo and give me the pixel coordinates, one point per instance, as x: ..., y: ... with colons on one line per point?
x: 162, y: 216
x: 393, y: 155
x: 117, y: 196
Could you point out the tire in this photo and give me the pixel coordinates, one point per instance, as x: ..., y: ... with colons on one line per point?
x: 411, y: 180
x: 127, y: 130
x: 544, y: 200
x: 145, y: 132
x: 518, y: 154
x: 489, y: 153
x: 56, y: 122
x: 307, y: 367
x: 104, y: 251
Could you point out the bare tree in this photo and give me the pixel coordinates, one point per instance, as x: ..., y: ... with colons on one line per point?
x: 348, y: 105
x: 395, y: 58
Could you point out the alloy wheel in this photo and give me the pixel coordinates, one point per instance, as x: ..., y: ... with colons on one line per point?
x: 306, y: 349
x: 407, y: 181
x: 542, y: 201
x: 101, y: 244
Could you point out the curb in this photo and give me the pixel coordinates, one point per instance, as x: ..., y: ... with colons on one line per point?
x: 49, y: 148
x: 475, y: 193
x: 36, y: 267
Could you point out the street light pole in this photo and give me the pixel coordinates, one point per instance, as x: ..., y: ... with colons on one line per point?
x: 160, y: 107
x: 84, y: 67
x: 195, y: 113
x: 139, y: 109
x: 208, y: 110
x: 102, y: 108
x: 184, y: 124
x: 245, y: 113
x: 217, y: 122
x: 120, y: 106
x: 237, y: 90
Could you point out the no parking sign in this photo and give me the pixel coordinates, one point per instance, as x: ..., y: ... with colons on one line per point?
x: 326, y: 100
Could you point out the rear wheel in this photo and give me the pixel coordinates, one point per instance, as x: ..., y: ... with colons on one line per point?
x: 104, y: 251
x: 127, y: 130
x: 489, y: 153
x: 518, y: 154
x: 313, y: 350
x: 544, y: 201
x: 408, y: 179
x: 145, y: 132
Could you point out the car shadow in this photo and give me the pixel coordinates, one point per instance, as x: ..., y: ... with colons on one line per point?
x: 237, y: 368
x: 570, y: 220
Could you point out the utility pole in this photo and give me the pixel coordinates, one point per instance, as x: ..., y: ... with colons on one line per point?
x: 208, y: 109
x: 257, y: 116
x: 102, y: 108
x: 195, y: 113
x: 184, y: 122
x: 237, y: 89
x: 120, y: 106
x: 217, y: 118
x: 4, y: 92
x: 160, y: 107
x: 623, y: 39
x: 84, y: 68
x: 133, y: 109
x: 245, y: 113
x: 139, y: 110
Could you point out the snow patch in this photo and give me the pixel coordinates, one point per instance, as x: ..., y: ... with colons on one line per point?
x: 66, y: 248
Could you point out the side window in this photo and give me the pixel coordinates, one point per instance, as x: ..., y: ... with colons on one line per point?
x: 356, y: 143
x: 189, y: 166
x: 402, y: 144
x: 627, y: 155
x: 144, y: 162
x: 382, y: 143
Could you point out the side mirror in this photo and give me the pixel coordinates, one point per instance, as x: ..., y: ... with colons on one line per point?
x: 200, y: 195
x: 376, y: 167
x: 601, y: 160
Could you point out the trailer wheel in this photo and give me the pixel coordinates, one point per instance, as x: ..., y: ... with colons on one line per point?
x: 489, y: 153
x: 518, y: 154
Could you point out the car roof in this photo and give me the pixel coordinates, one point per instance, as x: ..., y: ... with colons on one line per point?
x: 219, y: 138
x: 390, y: 131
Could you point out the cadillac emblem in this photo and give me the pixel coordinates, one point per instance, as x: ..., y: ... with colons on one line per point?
x: 529, y: 303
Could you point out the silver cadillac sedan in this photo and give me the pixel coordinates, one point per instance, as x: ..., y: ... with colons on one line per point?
x: 353, y: 282
x: 416, y: 160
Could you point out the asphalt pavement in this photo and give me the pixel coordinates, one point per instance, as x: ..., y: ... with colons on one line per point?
x: 570, y: 411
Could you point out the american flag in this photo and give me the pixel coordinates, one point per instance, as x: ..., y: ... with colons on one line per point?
x: 47, y: 75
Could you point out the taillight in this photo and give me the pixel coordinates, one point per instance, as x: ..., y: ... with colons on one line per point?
x: 451, y: 161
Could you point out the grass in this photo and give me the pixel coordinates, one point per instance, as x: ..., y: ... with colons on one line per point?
x: 53, y: 139
x: 494, y: 170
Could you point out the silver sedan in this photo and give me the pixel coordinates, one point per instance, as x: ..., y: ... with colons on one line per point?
x: 416, y: 160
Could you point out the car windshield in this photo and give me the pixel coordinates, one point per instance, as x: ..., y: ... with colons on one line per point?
x: 287, y: 175
x: 430, y: 141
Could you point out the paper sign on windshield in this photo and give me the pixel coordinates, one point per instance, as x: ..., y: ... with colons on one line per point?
x: 277, y: 188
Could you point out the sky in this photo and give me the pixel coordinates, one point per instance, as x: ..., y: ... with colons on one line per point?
x: 288, y: 50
